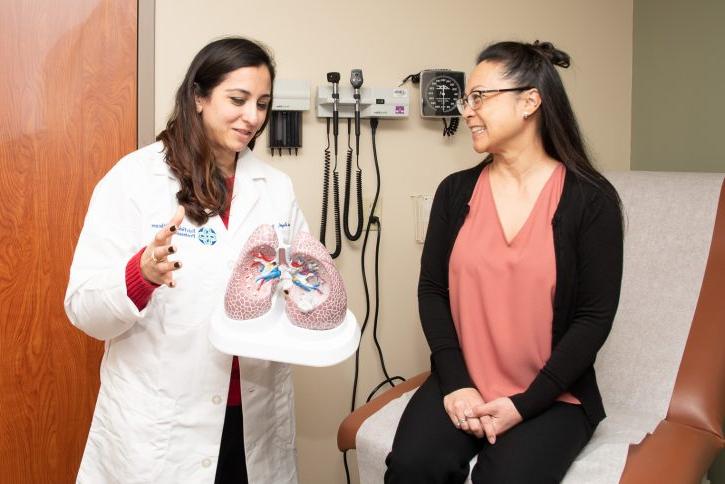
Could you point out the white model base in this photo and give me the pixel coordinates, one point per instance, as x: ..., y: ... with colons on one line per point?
x: 273, y: 337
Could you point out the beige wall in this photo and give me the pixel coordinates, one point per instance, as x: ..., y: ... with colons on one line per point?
x: 678, y: 72
x: 389, y: 40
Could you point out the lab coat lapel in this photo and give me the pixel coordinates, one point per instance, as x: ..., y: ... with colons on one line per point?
x: 160, y: 168
x: 246, y: 190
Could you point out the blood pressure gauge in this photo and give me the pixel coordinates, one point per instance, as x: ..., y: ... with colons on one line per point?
x: 439, y: 91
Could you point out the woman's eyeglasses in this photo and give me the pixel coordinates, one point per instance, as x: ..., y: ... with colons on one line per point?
x: 476, y: 97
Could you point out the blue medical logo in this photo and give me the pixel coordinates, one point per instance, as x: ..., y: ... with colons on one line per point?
x: 206, y: 236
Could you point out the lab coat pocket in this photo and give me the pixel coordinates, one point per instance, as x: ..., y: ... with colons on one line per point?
x: 131, y: 428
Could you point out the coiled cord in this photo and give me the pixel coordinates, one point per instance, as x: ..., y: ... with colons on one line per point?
x: 449, y: 129
x: 336, y: 210
x: 335, y: 198
x: 325, y: 187
x: 358, y: 175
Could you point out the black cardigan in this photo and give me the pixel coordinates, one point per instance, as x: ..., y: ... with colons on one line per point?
x: 587, y: 228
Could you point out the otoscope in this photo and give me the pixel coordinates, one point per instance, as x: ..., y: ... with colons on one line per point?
x: 356, y: 79
x: 334, y: 78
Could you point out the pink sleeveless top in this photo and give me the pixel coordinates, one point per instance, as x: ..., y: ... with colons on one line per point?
x: 501, y: 293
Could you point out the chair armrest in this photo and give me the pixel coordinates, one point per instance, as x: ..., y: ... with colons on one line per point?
x: 672, y: 454
x: 348, y: 428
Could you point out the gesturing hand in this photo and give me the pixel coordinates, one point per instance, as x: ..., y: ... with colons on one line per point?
x: 502, y: 412
x: 459, y: 406
x: 155, y: 267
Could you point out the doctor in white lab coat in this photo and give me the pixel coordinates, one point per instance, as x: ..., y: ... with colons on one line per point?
x: 161, y: 406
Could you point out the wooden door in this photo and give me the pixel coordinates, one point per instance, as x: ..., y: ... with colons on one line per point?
x: 67, y: 113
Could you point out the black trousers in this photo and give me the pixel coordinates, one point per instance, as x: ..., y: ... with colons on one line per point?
x: 232, y: 466
x: 428, y: 449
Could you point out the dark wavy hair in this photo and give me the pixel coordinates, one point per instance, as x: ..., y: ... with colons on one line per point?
x: 534, y: 65
x: 188, y: 153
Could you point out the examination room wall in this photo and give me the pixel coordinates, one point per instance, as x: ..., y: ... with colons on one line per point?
x: 388, y: 41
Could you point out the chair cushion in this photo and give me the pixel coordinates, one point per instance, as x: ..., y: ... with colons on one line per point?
x: 600, y: 462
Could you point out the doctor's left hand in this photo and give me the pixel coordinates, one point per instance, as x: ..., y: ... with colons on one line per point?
x: 155, y: 267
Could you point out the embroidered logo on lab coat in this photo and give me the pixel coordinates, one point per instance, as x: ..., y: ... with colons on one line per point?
x: 206, y: 236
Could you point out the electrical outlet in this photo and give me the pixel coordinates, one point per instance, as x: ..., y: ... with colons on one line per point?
x: 368, y: 205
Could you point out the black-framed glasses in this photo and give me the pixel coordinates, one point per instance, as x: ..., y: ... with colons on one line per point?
x: 476, y: 97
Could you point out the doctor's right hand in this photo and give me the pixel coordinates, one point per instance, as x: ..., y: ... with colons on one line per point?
x: 155, y: 267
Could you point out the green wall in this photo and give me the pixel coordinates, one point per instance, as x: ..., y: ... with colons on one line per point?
x: 678, y: 95
x: 678, y: 92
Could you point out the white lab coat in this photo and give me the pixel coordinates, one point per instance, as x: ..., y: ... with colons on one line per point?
x: 161, y: 405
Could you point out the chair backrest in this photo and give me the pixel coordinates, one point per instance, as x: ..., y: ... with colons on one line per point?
x: 669, y: 224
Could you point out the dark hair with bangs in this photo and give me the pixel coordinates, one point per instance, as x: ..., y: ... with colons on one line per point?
x: 203, y: 193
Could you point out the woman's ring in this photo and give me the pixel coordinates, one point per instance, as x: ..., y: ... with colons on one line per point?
x: 462, y: 420
x: 153, y: 257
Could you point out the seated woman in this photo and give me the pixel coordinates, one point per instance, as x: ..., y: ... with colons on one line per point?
x: 519, y: 285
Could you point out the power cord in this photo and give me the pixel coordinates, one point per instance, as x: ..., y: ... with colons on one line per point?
x: 382, y: 384
x: 347, y: 470
x: 372, y: 220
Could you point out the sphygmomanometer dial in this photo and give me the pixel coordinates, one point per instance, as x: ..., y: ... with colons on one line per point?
x: 442, y: 93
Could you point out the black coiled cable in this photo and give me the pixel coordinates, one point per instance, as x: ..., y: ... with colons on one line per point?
x: 325, y: 187
x: 326, y: 198
x: 449, y: 129
x: 358, y: 178
x: 453, y: 125
x: 336, y: 210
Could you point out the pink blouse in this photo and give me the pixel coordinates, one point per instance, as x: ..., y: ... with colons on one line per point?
x: 501, y: 293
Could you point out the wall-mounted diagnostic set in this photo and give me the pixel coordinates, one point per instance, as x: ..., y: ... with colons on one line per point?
x: 352, y: 102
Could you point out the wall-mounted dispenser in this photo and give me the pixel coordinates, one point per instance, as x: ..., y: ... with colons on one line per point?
x: 291, y: 97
